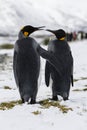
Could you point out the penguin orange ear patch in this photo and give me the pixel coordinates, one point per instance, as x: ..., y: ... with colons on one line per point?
x: 26, y: 34
x: 63, y: 38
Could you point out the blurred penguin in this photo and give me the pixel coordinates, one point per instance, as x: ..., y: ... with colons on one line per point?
x: 63, y: 78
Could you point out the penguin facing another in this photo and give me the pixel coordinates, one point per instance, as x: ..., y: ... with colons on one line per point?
x: 26, y: 64
x: 61, y: 51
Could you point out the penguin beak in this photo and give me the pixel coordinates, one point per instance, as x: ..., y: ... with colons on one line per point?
x: 39, y: 28
x: 52, y: 31
x: 42, y: 27
x: 33, y: 29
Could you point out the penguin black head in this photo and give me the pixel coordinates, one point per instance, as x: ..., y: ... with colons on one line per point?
x: 27, y: 30
x: 60, y: 34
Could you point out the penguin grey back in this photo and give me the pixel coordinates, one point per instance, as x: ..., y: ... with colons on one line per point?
x: 26, y: 66
x: 62, y: 52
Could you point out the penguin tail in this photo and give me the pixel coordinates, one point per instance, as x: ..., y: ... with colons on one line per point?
x: 26, y: 98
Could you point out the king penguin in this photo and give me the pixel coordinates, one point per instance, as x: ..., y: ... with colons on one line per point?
x: 60, y: 81
x: 26, y: 64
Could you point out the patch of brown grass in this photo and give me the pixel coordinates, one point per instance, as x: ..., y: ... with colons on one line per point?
x: 46, y: 104
x: 9, y: 105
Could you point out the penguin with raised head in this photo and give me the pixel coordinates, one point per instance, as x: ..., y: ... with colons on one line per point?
x: 26, y: 64
x: 61, y: 51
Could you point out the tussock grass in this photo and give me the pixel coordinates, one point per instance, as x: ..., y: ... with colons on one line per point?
x: 80, y: 90
x: 7, y: 46
x: 9, y: 105
x: 36, y: 112
x: 7, y: 87
x: 46, y: 104
x: 75, y: 80
x: 83, y: 78
x: 85, y: 89
x: 77, y: 90
x: 46, y: 41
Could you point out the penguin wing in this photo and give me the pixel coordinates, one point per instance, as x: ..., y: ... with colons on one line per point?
x: 15, y: 63
x: 72, y: 80
x: 15, y: 67
x: 47, y: 73
x: 50, y: 57
x: 72, y: 73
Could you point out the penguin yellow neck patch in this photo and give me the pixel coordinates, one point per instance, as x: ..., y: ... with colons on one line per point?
x: 26, y: 34
x: 63, y: 38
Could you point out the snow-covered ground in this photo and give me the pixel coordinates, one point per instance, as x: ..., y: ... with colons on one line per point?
x: 23, y: 117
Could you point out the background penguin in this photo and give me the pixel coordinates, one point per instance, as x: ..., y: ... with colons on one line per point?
x: 26, y: 64
x: 61, y: 51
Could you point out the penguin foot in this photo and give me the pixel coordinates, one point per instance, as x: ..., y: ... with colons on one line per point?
x: 22, y: 100
x: 32, y: 101
x: 65, y: 98
x: 55, y: 98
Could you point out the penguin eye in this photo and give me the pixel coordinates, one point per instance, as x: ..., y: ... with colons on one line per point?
x: 26, y: 34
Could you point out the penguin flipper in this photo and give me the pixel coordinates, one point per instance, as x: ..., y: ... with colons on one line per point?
x: 72, y: 77
x: 71, y: 70
x: 72, y: 80
x: 47, y: 73
x: 51, y: 59
x: 72, y: 73
x: 15, y: 67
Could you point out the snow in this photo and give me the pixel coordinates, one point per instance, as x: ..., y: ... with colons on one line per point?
x: 68, y: 14
x: 21, y: 117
